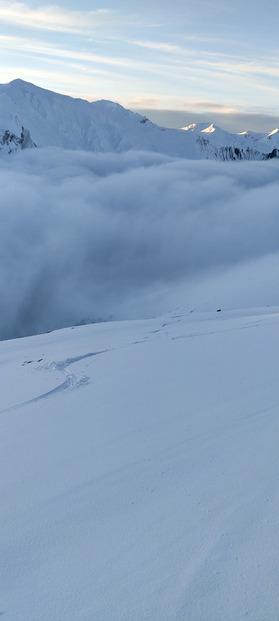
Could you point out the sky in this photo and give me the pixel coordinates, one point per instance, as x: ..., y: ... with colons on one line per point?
x: 177, y: 61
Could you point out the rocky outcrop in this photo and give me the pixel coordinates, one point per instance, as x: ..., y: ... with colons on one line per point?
x: 226, y: 154
x: 9, y: 142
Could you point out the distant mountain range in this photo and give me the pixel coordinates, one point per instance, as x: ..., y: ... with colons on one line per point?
x: 31, y: 117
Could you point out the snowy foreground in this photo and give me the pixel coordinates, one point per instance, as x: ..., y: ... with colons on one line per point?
x: 139, y: 470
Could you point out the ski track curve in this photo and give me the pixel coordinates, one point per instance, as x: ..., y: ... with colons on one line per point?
x: 71, y: 381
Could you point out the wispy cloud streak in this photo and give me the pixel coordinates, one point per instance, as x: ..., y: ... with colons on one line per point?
x: 53, y: 17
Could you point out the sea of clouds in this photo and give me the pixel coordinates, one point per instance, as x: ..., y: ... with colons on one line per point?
x: 88, y: 237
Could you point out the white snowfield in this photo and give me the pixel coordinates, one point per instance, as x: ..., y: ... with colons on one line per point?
x: 32, y: 116
x: 139, y: 470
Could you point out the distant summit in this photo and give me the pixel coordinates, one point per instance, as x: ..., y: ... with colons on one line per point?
x: 31, y: 116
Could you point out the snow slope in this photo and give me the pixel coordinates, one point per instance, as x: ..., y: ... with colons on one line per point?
x: 103, y: 126
x: 139, y: 470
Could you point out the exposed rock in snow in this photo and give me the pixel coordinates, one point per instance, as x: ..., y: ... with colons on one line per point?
x: 215, y: 143
x: 9, y: 142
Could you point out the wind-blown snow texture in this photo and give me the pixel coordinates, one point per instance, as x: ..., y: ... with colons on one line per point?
x: 88, y: 236
x: 139, y: 471
x: 45, y: 119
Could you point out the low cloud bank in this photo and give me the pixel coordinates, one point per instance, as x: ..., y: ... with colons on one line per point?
x: 88, y: 237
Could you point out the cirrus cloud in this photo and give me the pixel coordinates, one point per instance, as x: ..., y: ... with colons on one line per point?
x: 55, y: 18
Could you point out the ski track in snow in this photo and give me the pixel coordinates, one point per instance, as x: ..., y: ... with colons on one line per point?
x: 212, y: 486
x: 74, y: 381
x: 71, y: 381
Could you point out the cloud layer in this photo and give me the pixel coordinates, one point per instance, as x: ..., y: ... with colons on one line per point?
x: 87, y: 237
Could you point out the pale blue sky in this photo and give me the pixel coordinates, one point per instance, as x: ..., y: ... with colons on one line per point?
x: 205, y: 59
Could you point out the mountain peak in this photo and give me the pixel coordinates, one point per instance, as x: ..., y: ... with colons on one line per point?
x: 20, y: 83
x: 209, y: 130
x: 195, y: 127
x: 53, y: 119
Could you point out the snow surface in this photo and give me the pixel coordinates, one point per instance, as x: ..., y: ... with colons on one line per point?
x: 103, y: 126
x: 138, y: 459
x: 139, y: 470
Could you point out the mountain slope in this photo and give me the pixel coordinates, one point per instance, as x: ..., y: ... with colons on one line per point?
x: 50, y: 119
x: 103, y: 126
x: 215, y: 143
x: 139, y: 471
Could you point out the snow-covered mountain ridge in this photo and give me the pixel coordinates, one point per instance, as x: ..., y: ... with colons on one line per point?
x: 215, y: 143
x: 31, y: 116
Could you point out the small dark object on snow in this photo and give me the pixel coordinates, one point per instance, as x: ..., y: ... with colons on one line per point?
x: 219, y: 310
